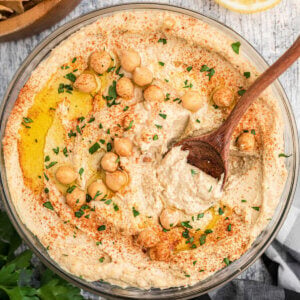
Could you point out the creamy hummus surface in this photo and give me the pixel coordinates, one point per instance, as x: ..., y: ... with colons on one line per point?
x: 89, y: 161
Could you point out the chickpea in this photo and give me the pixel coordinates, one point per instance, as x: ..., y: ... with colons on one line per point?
x: 116, y: 180
x: 66, y: 175
x: 125, y: 88
x: 130, y: 59
x: 123, y: 146
x: 76, y: 198
x: 223, y: 97
x: 246, y: 141
x: 100, y: 61
x: 160, y: 252
x: 192, y: 101
x: 109, y: 162
x: 97, y: 190
x: 142, y: 76
x: 148, y: 238
x: 154, y: 93
x: 169, y: 218
x: 85, y: 83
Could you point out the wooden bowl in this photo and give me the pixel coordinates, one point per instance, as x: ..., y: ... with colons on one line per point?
x: 39, y: 17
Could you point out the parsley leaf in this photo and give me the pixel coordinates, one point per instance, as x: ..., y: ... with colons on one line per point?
x: 236, y: 47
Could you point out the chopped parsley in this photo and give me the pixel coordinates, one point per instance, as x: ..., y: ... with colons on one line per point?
x: 112, y: 95
x: 186, y: 224
x: 198, y: 121
x: 247, y: 74
x: 161, y: 63
x: 64, y: 88
x: 210, y: 189
x: 164, y: 116
x: 236, y: 47
x: 256, y: 208
x: 47, y: 158
x: 56, y: 150
x: 155, y: 137
x: 79, y: 213
x: 210, y: 71
x: 241, y: 92
x: 161, y: 40
x: 158, y: 126
x: 187, y: 84
x: 48, y: 205
x: 284, y: 155
x: 92, y: 119
x: 108, y: 147
x: 81, y: 170
x: 202, y: 239
x: 46, y: 177
x: 167, y: 97
x: 94, y: 148
x: 101, y: 259
x: 135, y: 212
x: 51, y: 164
x: 221, y: 212
x: 78, y: 129
x: 71, y: 77
x: 71, y: 134
x: 110, y: 69
x: 129, y: 126
x: 101, y: 228
x: 116, y: 207
x: 243, y: 200
x: 71, y: 189
x: 27, y: 120
x: 199, y: 216
x: 73, y: 60
x: 46, y: 190
x: 208, y: 231
x: 227, y: 261
x: 215, y: 106
x: 193, y: 172
x: 65, y: 152
x: 194, y: 262
x: 125, y: 108
x: 229, y: 227
x: 189, y: 68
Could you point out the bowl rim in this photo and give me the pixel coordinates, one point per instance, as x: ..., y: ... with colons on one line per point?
x: 50, y: 263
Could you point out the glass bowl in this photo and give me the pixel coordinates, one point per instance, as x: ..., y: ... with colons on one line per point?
x: 222, y: 276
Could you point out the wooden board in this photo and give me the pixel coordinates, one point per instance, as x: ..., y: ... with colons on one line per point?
x: 36, y: 19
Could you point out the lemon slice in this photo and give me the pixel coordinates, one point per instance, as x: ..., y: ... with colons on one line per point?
x: 248, y: 6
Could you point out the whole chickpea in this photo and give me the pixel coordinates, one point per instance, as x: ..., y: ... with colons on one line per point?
x: 125, y: 88
x: 66, y: 175
x: 123, y: 146
x: 142, y: 76
x: 76, y: 198
x: 169, y: 218
x: 130, y: 59
x: 160, y: 252
x: 100, y: 61
x: 116, y: 180
x: 246, y: 141
x: 97, y: 190
x: 223, y: 97
x: 192, y: 101
x: 148, y: 238
x: 85, y: 83
x: 109, y: 162
x: 154, y: 93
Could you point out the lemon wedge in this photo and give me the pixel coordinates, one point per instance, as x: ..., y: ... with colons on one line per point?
x: 248, y: 6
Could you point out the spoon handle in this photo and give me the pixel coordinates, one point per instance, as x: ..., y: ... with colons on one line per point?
x: 260, y: 84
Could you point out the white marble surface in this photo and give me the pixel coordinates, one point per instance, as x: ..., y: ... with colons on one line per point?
x: 270, y: 32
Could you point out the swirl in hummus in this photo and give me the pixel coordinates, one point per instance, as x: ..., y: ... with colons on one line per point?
x: 87, y: 161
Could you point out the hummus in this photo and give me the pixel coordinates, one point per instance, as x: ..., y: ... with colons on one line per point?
x: 89, y: 161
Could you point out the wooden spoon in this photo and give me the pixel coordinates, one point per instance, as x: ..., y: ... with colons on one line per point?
x: 210, y: 152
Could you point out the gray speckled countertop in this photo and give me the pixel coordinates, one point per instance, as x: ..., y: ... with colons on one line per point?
x: 270, y: 32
